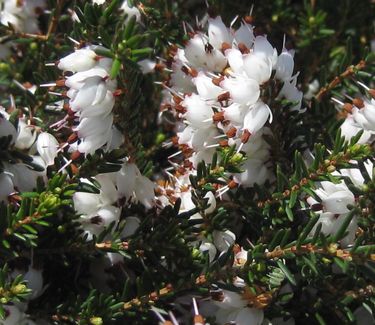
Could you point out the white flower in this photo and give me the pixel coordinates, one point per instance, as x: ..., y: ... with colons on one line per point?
x: 80, y: 60
x: 255, y: 172
x: 6, y: 128
x: 47, y: 147
x: 6, y: 187
x: 256, y: 117
x: 34, y: 279
x: 242, y: 90
x: 205, y: 88
x: 13, y: 316
x: 147, y: 65
x: 223, y: 239
x: 365, y: 116
x: 198, y: 57
x: 233, y: 309
x: 26, y: 135
x: 335, y: 197
x: 285, y: 65
x: 218, y: 33
x: 350, y: 128
x: 198, y: 112
x: 132, y: 184
x: 130, y: 11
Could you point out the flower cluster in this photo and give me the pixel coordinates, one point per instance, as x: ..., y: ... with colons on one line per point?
x: 359, y: 116
x: 91, y: 97
x: 218, y: 84
x: 21, y: 15
x: 42, y: 147
x: 98, y: 211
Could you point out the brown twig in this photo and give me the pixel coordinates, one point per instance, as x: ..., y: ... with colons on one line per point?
x: 338, y: 79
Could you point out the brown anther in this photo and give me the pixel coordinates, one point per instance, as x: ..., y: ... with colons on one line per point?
x: 286, y: 193
x: 347, y: 107
x: 177, y: 99
x: 193, y: 72
x: 223, y: 97
x: 232, y: 184
x: 96, y: 220
x: 217, y: 295
x: 60, y: 83
x: 225, y: 46
x: 243, y: 48
x: 159, y: 67
x: 72, y: 138
x: 124, y: 245
x: 75, y: 155
x: 198, y: 320
x: 153, y: 296
x: 372, y: 93
x: 223, y: 143
x: 231, y: 132
x: 185, y: 69
x: 295, y: 188
x: 358, y: 102
x: 236, y: 248
x: 218, y: 117
x: 248, y: 19
x: 317, y: 207
x: 245, y: 136
x: 303, y: 181
x: 179, y: 108
x: 118, y: 92
x: 188, y: 164
x: 217, y: 81
x: 200, y: 279
x: 175, y: 140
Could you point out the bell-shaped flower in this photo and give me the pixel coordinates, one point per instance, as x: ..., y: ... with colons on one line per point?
x: 13, y: 315
x: 77, y: 80
x: 255, y: 172
x: 350, y: 128
x: 91, y: 93
x: 242, y: 90
x: 291, y: 93
x: 235, y: 113
x: 223, y: 239
x: 285, y: 65
x: 6, y: 187
x: 218, y: 33
x: 198, y: 112
x: 197, y: 56
x: 34, y: 279
x: 256, y: 117
x: 257, y: 67
x: 47, y: 147
x: 131, y: 226
x: 26, y: 135
x: 264, y: 48
x: 205, y: 87
x: 80, y: 60
x: 245, y: 35
x: 365, y: 116
x: 335, y: 197
x: 130, y: 11
x: 23, y: 178
x: 235, y: 60
x: 132, y: 184
x: 96, y: 125
x: 233, y: 308
x: 96, y: 223
x: 6, y: 128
